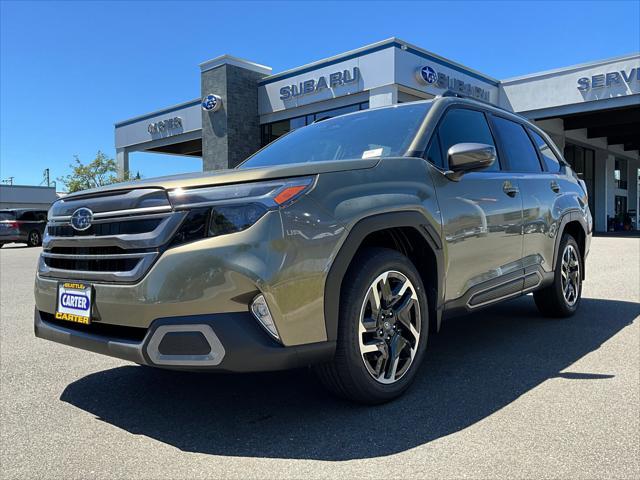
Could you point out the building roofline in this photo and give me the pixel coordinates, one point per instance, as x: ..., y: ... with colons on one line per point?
x: 374, y: 47
x: 449, y: 62
x: 571, y: 68
x: 155, y: 113
x: 236, y: 61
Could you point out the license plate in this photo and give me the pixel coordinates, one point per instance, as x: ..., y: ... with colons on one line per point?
x: 74, y: 302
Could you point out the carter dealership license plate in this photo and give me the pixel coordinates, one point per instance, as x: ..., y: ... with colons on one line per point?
x: 74, y: 302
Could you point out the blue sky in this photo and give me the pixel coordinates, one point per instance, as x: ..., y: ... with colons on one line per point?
x: 69, y: 70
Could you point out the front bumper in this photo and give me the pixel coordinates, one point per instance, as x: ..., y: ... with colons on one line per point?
x: 231, y: 342
x: 284, y: 256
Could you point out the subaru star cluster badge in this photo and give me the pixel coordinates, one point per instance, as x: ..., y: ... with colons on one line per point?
x: 81, y: 219
x: 427, y: 75
x: 211, y: 103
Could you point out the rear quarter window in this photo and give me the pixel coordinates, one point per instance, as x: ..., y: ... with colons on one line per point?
x: 7, y: 216
x: 517, y: 146
x: 551, y: 162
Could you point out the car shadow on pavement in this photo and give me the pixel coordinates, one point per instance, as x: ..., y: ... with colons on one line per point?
x: 477, y: 365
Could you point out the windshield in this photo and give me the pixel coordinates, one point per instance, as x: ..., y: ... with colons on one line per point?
x: 4, y: 216
x: 385, y: 132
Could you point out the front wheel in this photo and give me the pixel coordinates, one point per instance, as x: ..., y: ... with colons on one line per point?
x: 562, y: 297
x: 34, y: 239
x: 382, y: 331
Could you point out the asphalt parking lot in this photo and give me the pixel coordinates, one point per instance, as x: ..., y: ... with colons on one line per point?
x: 503, y: 393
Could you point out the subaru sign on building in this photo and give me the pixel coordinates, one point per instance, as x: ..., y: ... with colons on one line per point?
x: 592, y: 111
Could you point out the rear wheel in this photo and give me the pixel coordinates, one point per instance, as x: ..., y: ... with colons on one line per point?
x: 382, y: 331
x: 34, y: 239
x: 562, y: 297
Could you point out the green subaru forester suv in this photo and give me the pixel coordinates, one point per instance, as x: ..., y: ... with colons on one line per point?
x: 339, y: 246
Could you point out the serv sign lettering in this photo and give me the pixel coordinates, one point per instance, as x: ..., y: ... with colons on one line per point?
x: 74, y: 302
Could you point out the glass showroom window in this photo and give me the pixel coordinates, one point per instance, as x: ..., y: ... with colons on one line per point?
x: 620, y: 174
x: 271, y: 131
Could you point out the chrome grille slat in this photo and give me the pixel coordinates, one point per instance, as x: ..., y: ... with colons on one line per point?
x: 153, y: 239
x: 119, y: 218
x: 117, y: 213
x: 97, y: 257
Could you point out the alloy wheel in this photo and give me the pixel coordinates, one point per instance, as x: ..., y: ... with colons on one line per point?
x: 389, y: 327
x: 570, y: 272
x: 34, y: 238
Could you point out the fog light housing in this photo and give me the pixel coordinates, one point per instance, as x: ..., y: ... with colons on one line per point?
x: 260, y: 310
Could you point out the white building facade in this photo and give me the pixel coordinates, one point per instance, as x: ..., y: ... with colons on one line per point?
x: 592, y: 111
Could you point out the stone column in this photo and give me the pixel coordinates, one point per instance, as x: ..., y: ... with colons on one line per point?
x: 122, y: 159
x: 231, y: 133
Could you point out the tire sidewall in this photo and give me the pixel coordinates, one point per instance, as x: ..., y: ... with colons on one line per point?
x: 37, y: 237
x: 567, y: 309
x: 368, y: 269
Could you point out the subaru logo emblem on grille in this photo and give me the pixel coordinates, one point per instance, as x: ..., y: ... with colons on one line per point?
x: 81, y: 219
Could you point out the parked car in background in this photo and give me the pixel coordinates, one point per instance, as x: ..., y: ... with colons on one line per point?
x: 22, y: 226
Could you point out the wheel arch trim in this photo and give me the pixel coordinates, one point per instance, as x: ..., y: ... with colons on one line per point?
x: 357, y: 234
x: 569, y: 217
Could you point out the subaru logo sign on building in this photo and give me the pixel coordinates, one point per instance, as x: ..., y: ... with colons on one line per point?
x: 427, y: 75
x: 211, y: 103
x: 81, y: 219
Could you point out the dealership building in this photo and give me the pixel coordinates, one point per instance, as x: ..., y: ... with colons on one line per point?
x: 591, y: 111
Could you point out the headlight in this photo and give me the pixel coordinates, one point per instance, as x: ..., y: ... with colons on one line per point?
x: 234, y: 218
x: 232, y: 208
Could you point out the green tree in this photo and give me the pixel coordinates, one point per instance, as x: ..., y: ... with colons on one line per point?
x: 101, y: 171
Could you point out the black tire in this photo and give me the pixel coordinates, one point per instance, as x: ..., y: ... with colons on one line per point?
x: 34, y: 239
x: 551, y: 301
x: 347, y: 374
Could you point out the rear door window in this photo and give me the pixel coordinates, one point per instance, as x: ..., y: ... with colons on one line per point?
x: 461, y: 125
x: 517, y: 146
x: 548, y: 157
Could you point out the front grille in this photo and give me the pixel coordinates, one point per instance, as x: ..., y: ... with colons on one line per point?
x: 89, y: 250
x: 116, y: 332
x: 125, y: 227
x: 119, y: 247
x: 93, y: 265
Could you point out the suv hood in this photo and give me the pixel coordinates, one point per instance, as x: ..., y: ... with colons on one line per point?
x: 222, y: 177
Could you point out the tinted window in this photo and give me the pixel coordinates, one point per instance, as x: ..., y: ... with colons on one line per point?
x: 434, y: 155
x: 517, y: 146
x: 7, y: 216
x: 465, y: 126
x: 384, y: 132
x: 550, y: 160
x: 27, y: 216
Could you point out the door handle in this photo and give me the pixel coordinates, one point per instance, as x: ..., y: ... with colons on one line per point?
x: 510, y: 189
x: 555, y: 187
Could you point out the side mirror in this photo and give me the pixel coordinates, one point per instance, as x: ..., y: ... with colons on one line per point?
x: 467, y: 157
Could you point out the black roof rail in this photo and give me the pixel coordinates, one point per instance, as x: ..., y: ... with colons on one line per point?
x: 453, y: 93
